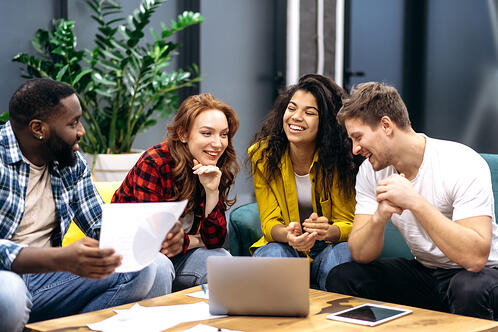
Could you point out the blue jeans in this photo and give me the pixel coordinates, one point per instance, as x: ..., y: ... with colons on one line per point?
x: 15, y: 302
x: 323, y: 262
x: 62, y: 293
x: 191, y: 268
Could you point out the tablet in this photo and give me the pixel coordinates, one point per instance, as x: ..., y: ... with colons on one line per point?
x: 369, y: 314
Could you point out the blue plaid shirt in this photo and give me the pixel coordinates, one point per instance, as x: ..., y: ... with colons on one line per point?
x: 74, y: 193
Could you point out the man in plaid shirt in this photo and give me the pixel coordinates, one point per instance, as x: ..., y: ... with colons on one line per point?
x: 44, y: 184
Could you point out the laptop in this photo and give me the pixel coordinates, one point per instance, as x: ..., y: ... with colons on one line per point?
x: 263, y: 286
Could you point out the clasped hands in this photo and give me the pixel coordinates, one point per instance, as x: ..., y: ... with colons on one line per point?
x: 315, y: 228
x: 394, y: 194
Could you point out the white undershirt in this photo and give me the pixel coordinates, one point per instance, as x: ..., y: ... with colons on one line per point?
x: 38, y: 221
x: 304, y: 200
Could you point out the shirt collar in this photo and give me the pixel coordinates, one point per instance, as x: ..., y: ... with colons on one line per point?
x: 8, y: 139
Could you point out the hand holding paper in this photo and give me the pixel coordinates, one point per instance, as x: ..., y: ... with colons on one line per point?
x: 173, y: 243
x: 136, y: 230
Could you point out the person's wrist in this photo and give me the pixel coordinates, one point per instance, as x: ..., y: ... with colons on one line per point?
x: 377, y: 219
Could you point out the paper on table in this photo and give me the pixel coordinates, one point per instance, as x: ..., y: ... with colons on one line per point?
x: 145, y: 319
x: 200, y: 294
x: 136, y: 230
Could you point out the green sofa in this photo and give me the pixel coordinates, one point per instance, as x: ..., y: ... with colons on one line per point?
x: 244, y: 227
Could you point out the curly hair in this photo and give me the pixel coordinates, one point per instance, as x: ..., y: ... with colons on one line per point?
x: 186, y: 185
x: 333, y: 144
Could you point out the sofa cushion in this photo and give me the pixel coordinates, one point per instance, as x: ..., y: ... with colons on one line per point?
x: 106, y: 189
x: 244, y: 229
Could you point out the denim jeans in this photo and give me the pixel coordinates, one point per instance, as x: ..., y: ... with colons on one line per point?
x: 15, y: 302
x: 191, y: 268
x: 62, y: 293
x: 408, y: 282
x: 323, y: 262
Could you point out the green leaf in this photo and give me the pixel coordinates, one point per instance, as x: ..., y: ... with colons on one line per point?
x: 61, y: 73
x: 81, y: 75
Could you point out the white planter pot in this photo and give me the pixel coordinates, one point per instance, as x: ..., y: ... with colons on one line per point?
x: 112, y: 167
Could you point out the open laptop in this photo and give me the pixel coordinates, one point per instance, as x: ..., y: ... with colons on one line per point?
x: 258, y: 286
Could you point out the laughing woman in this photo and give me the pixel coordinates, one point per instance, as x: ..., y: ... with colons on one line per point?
x: 196, y: 163
x: 304, y: 176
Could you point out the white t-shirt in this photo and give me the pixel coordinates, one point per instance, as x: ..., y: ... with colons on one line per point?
x: 304, y: 200
x: 453, y: 178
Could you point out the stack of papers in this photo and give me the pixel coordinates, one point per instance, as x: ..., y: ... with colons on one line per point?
x: 139, y: 318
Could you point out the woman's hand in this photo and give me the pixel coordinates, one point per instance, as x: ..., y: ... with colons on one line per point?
x: 195, y: 242
x: 173, y: 243
x: 321, y: 226
x: 298, y: 240
x: 209, y: 176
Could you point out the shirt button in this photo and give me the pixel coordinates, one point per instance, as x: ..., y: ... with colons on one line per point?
x: 10, y: 237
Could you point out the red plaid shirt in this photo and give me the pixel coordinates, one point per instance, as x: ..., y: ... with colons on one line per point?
x: 150, y: 180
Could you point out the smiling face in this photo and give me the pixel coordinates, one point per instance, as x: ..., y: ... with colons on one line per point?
x: 370, y: 143
x: 65, y: 132
x: 208, y: 136
x: 301, y: 119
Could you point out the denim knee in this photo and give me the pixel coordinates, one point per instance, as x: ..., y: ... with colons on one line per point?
x: 163, y: 273
x: 15, y: 302
x: 474, y: 294
x: 276, y: 249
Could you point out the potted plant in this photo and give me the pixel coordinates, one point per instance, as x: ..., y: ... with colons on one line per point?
x: 122, y: 82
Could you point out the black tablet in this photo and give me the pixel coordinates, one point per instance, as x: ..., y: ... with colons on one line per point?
x: 369, y: 314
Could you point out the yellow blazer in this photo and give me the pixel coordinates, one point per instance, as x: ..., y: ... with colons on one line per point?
x: 277, y: 198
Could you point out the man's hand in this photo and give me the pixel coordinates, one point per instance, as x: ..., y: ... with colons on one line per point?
x: 173, y: 243
x: 398, y: 191
x: 85, y: 259
x: 298, y: 240
x: 385, y: 211
x: 319, y: 225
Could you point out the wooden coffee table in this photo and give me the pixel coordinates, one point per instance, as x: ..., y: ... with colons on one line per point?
x: 321, y: 304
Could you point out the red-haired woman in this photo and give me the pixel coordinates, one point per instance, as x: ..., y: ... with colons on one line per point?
x: 196, y: 163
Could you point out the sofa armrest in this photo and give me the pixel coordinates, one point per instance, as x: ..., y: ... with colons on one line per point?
x: 244, y: 228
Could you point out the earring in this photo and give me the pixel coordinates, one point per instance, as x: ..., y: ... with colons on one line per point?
x: 41, y: 137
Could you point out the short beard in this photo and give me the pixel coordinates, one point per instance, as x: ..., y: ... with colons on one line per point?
x: 62, y: 152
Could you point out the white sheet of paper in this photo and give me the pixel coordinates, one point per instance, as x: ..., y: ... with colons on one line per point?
x: 150, y: 319
x: 200, y: 294
x: 136, y: 230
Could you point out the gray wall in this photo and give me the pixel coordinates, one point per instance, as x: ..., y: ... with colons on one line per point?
x: 376, y: 39
x: 459, y: 93
x: 237, y: 63
x: 18, y: 27
x: 462, y: 72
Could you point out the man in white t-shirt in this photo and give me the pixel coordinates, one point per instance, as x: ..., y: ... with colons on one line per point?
x: 437, y: 193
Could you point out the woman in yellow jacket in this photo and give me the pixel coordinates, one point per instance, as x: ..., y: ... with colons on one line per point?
x: 304, y: 175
